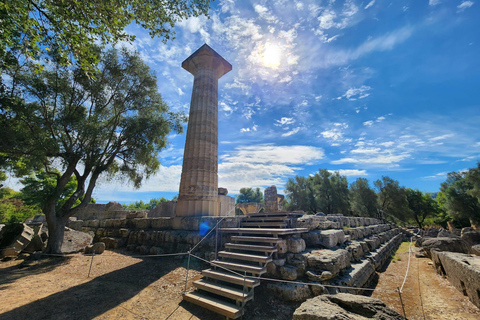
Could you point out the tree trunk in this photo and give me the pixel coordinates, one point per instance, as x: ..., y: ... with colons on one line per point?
x: 56, y: 231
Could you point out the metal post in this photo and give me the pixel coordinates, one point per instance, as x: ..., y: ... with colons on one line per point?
x: 243, y: 292
x: 216, y: 241
x: 186, y: 276
x: 91, y: 262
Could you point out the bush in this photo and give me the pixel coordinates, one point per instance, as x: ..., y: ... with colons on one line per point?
x: 14, y: 210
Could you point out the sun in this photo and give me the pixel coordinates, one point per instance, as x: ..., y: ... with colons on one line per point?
x: 271, y: 55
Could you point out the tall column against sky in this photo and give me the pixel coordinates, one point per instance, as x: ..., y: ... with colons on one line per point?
x: 198, y: 194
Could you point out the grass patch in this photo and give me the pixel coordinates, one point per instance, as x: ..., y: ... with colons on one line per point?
x: 402, y: 249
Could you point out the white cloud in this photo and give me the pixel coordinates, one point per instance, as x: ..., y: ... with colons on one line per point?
x: 289, y: 133
x: 263, y: 165
x: 368, y: 123
x: 442, y: 137
x: 284, y: 121
x: 434, y: 2
x: 380, y: 159
x: 350, y: 172
x: 366, y: 150
x: 265, y: 14
x: 371, y: 3
x: 353, y: 94
x: 438, y: 176
x: 464, y: 5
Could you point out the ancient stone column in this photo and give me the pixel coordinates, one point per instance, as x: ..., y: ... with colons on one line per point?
x: 198, y: 194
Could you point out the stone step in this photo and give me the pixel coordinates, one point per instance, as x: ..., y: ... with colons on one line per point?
x: 273, y: 214
x: 245, y: 257
x: 256, y: 239
x: 264, y: 231
x: 264, y: 219
x: 257, y: 270
x: 271, y: 224
x: 250, y: 247
x: 224, y: 308
x: 230, y: 277
x: 223, y: 290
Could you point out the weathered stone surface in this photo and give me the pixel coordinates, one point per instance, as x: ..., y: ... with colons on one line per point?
x: 75, y: 241
x: 157, y: 250
x: 290, y: 292
x: 471, y: 238
x: 344, y: 306
x: 444, y: 244
x: 250, y: 207
x: 40, y: 235
x: 288, y: 272
x: 97, y: 248
x: 198, y: 193
x: 15, y: 237
x: 282, y: 247
x: 279, y: 262
x: 356, y: 276
x: 328, y: 260
x: 324, y: 238
x: 271, y: 199
x: 476, y: 249
x: 164, y: 209
x: 296, y: 245
x: 112, y: 243
x: 445, y: 233
x: 462, y: 270
x: 317, y: 289
x: 355, y: 248
x: 310, y: 222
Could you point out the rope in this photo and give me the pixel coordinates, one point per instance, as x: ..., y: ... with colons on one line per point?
x: 288, y: 281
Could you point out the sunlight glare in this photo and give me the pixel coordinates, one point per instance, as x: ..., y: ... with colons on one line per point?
x: 271, y: 55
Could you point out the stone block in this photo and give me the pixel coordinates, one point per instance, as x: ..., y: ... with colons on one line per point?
x: 282, y: 247
x: 123, y: 232
x: 96, y: 248
x: 355, y: 248
x: 75, y: 241
x: 92, y: 223
x: 288, y: 272
x: 328, y: 260
x: 324, y: 238
x: 296, y: 245
x: 141, y: 223
x: 290, y: 292
x: 310, y: 222
x: 161, y: 223
x: 279, y: 262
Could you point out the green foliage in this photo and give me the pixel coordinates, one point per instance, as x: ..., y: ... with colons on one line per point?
x: 72, y: 29
x: 140, y: 205
x: 114, y: 124
x: 392, y: 199
x: 325, y: 191
x: 40, y: 186
x: 363, y: 199
x: 14, y: 210
x: 250, y: 195
x: 421, y: 206
x: 461, y: 200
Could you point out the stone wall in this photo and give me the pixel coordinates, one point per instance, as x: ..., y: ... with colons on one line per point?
x: 164, y: 209
x: 155, y: 235
x: 462, y: 270
x: 93, y: 211
x: 337, y: 250
x: 226, y: 206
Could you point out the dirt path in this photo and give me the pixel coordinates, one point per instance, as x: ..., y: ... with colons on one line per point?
x: 426, y: 295
x: 119, y: 287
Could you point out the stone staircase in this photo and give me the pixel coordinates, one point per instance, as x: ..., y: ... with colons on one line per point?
x: 230, y: 282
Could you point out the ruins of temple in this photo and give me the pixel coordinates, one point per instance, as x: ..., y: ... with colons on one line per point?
x: 199, y: 194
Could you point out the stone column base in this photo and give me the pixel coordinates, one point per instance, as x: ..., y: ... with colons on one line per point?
x: 196, y: 208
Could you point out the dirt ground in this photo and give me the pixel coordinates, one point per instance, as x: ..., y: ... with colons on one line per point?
x: 119, y: 287
x: 426, y: 295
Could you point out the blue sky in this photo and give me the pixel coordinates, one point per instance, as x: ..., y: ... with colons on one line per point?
x: 368, y: 88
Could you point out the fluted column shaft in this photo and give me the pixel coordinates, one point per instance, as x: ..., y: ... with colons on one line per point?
x: 198, y: 194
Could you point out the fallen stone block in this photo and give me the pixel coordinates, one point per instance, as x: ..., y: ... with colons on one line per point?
x: 324, y: 238
x: 355, y: 248
x: 444, y: 244
x: 462, y: 270
x: 75, y: 241
x: 344, y: 306
x: 15, y: 237
x: 96, y: 248
x: 288, y: 273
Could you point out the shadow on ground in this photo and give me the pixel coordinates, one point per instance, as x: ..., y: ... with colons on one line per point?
x: 29, y: 267
x: 93, y: 298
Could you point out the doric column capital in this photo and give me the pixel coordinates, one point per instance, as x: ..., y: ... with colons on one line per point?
x: 206, y: 58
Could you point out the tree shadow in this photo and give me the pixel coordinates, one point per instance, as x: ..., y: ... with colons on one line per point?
x: 31, y: 266
x: 91, y: 299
